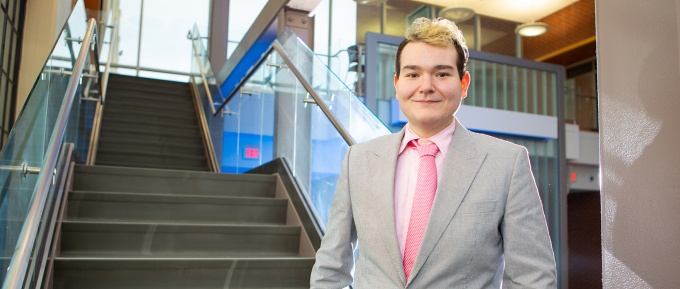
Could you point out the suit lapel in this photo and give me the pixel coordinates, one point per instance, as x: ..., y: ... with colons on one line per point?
x: 460, y: 167
x: 383, y: 163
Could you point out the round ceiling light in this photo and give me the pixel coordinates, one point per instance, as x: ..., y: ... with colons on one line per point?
x: 457, y: 14
x: 532, y: 29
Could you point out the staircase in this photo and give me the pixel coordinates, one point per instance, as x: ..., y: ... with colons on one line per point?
x: 150, y: 123
x: 142, y: 219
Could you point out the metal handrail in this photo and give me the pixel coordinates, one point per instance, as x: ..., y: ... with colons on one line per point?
x: 336, y: 123
x: 96, y: 124
x: 19, y: 263
x: 205, y: 81
x: 112, y: 45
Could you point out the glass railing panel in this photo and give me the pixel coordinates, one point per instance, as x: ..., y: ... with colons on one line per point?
x: 246, y: 123
x: 273, y: 115
x: 203, y: 64
x: 361, y: 123
x: 29, y: 139
x: 306, y: 138
x: 211, y: 98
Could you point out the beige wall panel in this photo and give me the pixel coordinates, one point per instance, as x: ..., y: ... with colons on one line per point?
x: 44, y: 21
x: 639, y: 91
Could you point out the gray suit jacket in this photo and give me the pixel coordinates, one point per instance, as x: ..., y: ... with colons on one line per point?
x: 486, y: 225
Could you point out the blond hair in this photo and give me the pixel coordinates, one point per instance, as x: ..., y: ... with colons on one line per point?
x: 439, y: 32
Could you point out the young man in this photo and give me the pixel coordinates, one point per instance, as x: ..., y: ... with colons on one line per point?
x: 435, y: 205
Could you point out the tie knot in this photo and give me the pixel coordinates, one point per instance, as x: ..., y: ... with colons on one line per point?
x: 426, y: 147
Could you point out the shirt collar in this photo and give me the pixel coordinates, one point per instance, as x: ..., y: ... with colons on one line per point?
x: 442, y: 138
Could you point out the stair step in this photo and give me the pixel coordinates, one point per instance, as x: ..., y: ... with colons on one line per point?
x: 127, y: 80
x: 141, y: 129
x: 150, y: 166
x: 173, y: 98
x: 172, y: 182
x: 113, y: 206
x: 80, y: 238
x: 154, y: 158
x: 150, y: 109
x: 149, y: 146
x: 161, y: 128
x: 112, y: 114
x: 184, y: 273
x: 150, y: 135
x: 170, y: 107
x: 150, y: 123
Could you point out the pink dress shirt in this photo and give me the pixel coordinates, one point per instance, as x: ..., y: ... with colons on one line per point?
x: 407, y: 173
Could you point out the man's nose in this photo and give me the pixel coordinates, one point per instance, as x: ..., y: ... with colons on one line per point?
x: 426, y: 85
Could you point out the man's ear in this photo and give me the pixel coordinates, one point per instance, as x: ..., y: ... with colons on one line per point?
x: 396, y: 79
x: 465, y: 84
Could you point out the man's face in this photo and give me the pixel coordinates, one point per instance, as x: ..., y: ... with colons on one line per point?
x: 428, y: 88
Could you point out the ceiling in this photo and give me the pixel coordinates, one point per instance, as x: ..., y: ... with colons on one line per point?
x: 520, y: 11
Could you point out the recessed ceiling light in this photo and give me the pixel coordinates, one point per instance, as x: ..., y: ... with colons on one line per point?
x: 532, y: 29
x: 457, y: 14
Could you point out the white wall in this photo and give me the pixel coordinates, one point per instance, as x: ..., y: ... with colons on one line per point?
x: 638, y: 52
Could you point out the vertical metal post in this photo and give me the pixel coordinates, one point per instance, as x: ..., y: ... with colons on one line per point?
x: 360, y: 71
x: 383, y: 16
x: 518, y: 46
x: 330, y: 30
x: 478, y: 33
x: 139, y: 39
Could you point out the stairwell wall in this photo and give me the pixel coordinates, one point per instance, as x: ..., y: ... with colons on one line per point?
x: 43, y: 23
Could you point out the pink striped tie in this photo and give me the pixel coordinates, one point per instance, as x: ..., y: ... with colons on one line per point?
x: 426, y: 186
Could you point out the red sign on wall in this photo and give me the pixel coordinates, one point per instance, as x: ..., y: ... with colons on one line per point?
x: 252, y: 153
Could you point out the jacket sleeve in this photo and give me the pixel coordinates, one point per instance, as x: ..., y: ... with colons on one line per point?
x: 335, y: 258
x: 528, y: 253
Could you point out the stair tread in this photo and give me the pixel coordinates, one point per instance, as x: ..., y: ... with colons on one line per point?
x: 151, y: 166
x: 148, y: 110
x: 153, y: 154
x: 181, y: 199
x: 107, y: 140
x: 151, y: 105
x: 117, y: 112
x: 143, y: 130
x: 192, y: 226
x: 175, y: 255
x: 258, y: 178
x: 114, y: 77
x: 149, y: 122
x: 183, y: 259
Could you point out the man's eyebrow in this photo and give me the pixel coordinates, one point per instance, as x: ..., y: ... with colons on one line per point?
x: 443, y: 66
x: 412, y: 67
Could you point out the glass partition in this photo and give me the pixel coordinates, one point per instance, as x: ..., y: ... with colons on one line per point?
x: 273, y: 116
x: 313, y: 145
x: 209, y: 92
x: 350, y: 111
x: 26, y: 149
x: 270, y: 114
x: 512, y: 87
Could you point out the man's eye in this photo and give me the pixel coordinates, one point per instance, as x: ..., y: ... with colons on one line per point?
x: 443, y: 74
x: 410, y: 75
